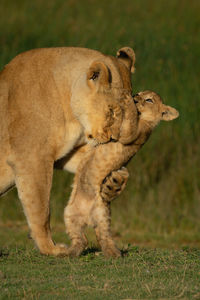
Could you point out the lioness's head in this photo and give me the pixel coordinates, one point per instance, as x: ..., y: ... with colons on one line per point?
x: 95, y: 96
x: 103, y: 109
x: 151, y: 108
x: 95, y: 106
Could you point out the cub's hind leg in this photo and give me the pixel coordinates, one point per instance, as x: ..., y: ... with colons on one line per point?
x: 81, y: 212
x: 33, y: 181
x: 76, y: 217
x: 101, y: 218
x: 75, y: 225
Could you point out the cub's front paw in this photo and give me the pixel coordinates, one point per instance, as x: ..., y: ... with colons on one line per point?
x: 114, y: 184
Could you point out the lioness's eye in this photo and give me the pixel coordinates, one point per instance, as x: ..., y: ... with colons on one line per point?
x: 149, y: 100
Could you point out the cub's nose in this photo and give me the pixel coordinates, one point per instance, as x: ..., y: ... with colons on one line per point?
x: 134, y: 98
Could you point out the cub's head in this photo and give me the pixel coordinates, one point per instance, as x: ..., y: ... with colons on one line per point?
x: 151, y: 108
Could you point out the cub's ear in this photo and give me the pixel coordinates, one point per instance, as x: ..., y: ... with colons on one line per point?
x: 127, y: 56
x: 169, y: 113
x: 98, y: 75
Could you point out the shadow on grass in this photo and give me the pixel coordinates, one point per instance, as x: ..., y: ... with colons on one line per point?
x: 91, y: 250
x: 95, y: 250
x: 4, y: 252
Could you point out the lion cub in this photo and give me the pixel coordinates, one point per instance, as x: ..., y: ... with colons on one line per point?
x: 86, y: 206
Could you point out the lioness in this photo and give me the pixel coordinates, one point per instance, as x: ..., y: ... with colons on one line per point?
x: 51, y: 101
x: 87, y: 206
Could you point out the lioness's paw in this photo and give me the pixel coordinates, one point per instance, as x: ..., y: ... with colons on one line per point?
x: 61, y: 250
x: 56, y: 250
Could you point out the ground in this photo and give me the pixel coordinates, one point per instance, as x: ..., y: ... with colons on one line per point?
x: 142, y: 273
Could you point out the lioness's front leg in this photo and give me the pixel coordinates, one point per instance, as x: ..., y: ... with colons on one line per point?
x: 6, y: 177
x: 33, y: 183
x: 114, y: 184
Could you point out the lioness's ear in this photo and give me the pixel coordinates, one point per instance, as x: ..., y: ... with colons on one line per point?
x: 127, y: 56
x: 98, y: 74
x: 169, y: 113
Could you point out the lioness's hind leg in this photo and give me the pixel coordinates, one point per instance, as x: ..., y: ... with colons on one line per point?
x: 33, y: 184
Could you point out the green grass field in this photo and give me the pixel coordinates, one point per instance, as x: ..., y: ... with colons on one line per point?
x: 143, y: 274
x: 160, y: 207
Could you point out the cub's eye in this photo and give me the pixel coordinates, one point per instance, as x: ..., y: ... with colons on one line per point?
x: 149, y: 100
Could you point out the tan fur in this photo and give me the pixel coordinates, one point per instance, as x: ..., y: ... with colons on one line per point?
x: 52, y: 101
x: 86, y: 205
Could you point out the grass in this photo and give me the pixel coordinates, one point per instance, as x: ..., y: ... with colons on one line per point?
x: 141, y: 274
x: 161, y: 204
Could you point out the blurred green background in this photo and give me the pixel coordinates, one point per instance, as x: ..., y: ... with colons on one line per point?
x: 161, y: 204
